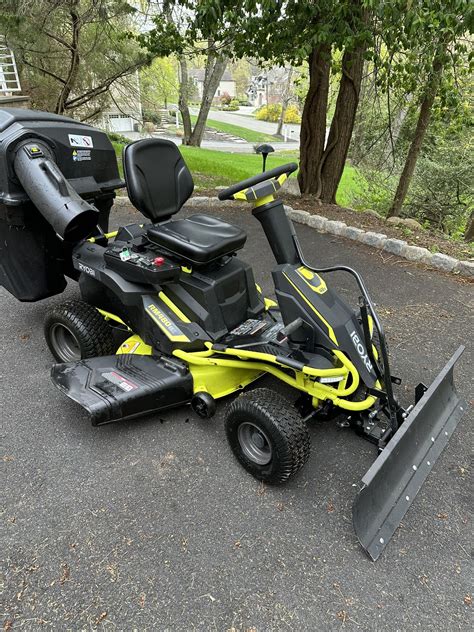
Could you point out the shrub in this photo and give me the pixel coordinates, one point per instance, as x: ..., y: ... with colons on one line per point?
x: 225, y: 98
x: 272, y: 113
x: 292, y: 114
x: 232, y: 106
x: 150, y: 115
x: 149, y: 127
x: 118, y: 138
x: 269, y: 113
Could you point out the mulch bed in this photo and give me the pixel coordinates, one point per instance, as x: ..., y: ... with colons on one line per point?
x: 434, y: 241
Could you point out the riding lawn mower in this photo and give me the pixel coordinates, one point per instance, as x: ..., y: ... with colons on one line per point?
x: 194, y: 326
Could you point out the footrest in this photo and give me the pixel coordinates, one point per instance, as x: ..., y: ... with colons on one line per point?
x: 124, y: 386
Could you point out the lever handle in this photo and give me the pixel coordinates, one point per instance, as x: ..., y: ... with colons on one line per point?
x: 55, y: 175
x: 290, y: 328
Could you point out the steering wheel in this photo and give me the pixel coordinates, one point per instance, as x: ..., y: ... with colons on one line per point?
x: 247, y: 189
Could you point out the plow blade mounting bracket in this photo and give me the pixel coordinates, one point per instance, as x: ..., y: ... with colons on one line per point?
x: 396, y: 476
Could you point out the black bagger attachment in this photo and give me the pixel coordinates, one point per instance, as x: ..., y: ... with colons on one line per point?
x: 124, y: 386
x: 396, y: 476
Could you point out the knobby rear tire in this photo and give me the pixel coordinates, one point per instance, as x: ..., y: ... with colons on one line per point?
x: 75, y: 330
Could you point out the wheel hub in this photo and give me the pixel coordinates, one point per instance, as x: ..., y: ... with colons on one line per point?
x: 65, y: 343
x: 254, y: 443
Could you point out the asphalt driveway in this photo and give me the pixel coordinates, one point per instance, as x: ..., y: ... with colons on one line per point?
x: 152, y: 525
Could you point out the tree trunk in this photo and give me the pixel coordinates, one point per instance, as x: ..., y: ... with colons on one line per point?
x: 366, y: 95
x: 68, y: 85
x: 183, y: 99
x: 215, y: 67
x: 389, y: 153
x: 417, y: 141
x: 342, y: 124
x: 284, y: 101
x: 313, y: 120
x: 469, y: 232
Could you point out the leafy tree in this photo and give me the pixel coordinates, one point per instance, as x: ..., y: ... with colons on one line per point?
x: 428, y: 38
x: 294, y: 31
x: 282, y: 31
x: 241, y: 73
x: 159, y: 83
x: 71, y: 52
x: 177, y: 31
x: 441, y: 190
x: 407, y: 42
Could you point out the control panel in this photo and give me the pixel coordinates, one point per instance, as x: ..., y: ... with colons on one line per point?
x: 140, y: 265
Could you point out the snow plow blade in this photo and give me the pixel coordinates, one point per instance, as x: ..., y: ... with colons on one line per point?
x: 396, y: 476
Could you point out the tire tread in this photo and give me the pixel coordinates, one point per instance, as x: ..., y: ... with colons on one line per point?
x: 93, y: 333
x: 297, y: 443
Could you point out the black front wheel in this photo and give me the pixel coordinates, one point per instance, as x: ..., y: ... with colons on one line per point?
x: 75, y: 330
x: 267, y: 436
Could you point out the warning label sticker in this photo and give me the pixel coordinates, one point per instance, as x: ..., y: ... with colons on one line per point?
x: 79, y: 155
x: 250, y: 327
x: 122, y: 382
x: 77, y: 140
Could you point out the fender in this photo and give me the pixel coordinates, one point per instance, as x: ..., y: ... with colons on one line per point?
x: 303, y: 293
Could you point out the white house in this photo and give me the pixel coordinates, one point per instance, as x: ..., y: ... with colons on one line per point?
x: 124, y: 112
x: 267, y: 86
x: 226, y: 84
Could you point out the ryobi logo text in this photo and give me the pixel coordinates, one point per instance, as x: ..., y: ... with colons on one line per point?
x: 86, y: 269
x: 361, y: 351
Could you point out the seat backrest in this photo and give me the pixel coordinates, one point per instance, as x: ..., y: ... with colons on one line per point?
x: 158, y: 180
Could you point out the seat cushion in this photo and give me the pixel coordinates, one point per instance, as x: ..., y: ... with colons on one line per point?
x: 199, y: 238
x: 157, y: 178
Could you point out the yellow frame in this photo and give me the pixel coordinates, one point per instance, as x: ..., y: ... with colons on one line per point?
x: 220, y: 376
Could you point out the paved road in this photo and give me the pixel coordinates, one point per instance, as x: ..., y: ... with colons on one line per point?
x: 244, y: 120
x: 152, y: 525
x: 227, y: 146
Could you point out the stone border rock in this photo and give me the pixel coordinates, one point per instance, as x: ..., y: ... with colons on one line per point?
x: 382, y: 242
x: 376, y: 240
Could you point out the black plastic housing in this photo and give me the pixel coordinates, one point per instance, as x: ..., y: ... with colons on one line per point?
x: 34, y: 260
x: 71, y: 217
x: 279, y: 230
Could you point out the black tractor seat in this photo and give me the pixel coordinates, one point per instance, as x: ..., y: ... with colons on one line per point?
x: 158, y: 184
x: 199, y: 239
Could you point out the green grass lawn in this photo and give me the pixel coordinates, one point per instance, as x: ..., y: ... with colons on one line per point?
x: 211, y: 168
x: 352, y: 188
x: 249, y: 135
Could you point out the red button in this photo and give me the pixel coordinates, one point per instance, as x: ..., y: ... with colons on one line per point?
x: 158, y: 261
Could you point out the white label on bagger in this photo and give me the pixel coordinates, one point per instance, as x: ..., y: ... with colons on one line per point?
x: 79, y: 155
x: 77, y: 140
